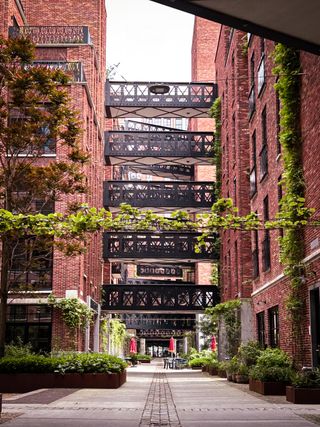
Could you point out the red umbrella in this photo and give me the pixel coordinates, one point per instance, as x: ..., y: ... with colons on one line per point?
x: 213, y: 344
x: 171, y: 344
x: 133, y: 345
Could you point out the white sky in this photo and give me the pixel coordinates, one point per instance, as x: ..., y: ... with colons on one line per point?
x: 152, y: 42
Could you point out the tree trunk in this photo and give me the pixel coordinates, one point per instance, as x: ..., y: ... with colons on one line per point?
x: 4, y: 293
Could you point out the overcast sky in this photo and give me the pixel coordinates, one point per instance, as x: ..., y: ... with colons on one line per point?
x: 150, y: 41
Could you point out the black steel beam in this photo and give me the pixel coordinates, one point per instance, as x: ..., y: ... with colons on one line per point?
x: 136, y: 100
x: 157, y: 194
x: 178, y: 246
x: 153, y: 298
x: 130, y: 147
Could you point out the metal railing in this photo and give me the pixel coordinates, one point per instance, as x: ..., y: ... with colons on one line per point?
x: 48, y: 35
x: 119, y: 93
x: 159, y: 194
x: 74, y: 69
x: 174, y: 245
x: 187, y: 298
x: 159, y: 144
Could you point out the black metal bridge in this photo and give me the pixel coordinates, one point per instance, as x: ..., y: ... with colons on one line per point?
x: 154, y: 322
x: 180, y: 172
x: 160, y: 196
x: 150, y: 298
x: 149, y: 148
x: 139, y: 100
x: 152, y: 246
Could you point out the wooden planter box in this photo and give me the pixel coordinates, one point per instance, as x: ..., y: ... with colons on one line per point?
x: 241, y: 379
x: 144, y: 361
x: 212, y: 370
x: 273, y: 388
x: 222, y: 374
x: 302, y: 395
x: 198, y: 368
x: 22, y: 383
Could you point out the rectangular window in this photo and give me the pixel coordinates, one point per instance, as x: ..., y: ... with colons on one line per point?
x: 179, y: 123
x: 255, y: 254
x: 264, y: 149
x: 266, y: 254
x: 252, y: 95
x: 261, y: 329
x: 273, y: 314
x: 253, y: 172
x: 261, y: 75
x: 30, y: 323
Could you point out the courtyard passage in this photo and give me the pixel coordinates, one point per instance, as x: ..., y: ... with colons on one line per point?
x: 154, y: 397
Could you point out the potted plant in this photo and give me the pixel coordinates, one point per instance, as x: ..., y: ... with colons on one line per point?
x: 305, y: 387
x: 272, y: 372
x: 232, y: 368
x: 222, y: 369
x: 242, y: 374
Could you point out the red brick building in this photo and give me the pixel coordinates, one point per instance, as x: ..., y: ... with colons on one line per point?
x: 64, y: 33
x: 252, y: 168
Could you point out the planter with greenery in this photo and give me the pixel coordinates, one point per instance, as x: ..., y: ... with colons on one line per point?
x: 272, y: 372
x: 94, y: 370
x: 144, y: 358
x: 305, y: 388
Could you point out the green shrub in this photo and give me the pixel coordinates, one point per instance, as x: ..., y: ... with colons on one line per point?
x: 78, y: 363
x: 307, y: 379
x: 273, y: 364
x: 274, y: 357
x: 18, y: 349
x: 199, y: 362
x: 232, y: 366
x: 143, y: 356
x: 248, y: 353
x: 271, y: 373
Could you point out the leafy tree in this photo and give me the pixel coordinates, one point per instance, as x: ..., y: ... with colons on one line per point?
x: 35, y: 119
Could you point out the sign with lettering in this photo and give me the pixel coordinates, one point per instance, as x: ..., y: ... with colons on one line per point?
x: 161, y: 270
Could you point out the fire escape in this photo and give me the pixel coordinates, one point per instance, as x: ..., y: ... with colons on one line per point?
x: 165, y: 153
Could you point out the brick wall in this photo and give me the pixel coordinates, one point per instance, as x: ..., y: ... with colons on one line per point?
x: 83, y: 273
x: 231, y: 76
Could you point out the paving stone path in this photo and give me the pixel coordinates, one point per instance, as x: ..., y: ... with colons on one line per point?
x: 154, y: 397
x: 160, y: 409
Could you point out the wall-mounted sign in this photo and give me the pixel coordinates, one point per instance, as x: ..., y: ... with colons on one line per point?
x: 162, y: 270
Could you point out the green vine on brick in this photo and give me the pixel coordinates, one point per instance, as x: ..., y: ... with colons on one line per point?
x: 288, y: 69
x: 75, y: 314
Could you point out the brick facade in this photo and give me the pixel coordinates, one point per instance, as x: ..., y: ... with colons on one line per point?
x: 251, y: 170
x: 79, y: 276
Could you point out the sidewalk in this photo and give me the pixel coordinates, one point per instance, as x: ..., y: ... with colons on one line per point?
x: 154, y: 397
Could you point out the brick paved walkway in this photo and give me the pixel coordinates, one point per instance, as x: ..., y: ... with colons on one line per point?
x: 154, y: 397
x: 160, y: 409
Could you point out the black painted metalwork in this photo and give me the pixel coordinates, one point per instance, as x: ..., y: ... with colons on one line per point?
x: 133, y: 125
x: 159, y: 270
x: 48, y: 35
x: 134, y: 99
x: 180, y: 172
x: 167, y: 194
x: 173, y: 298
x: 74, y: 69
x: 127, y: 147
x: 169, y: 282
x: 159, y: 321
x: 157, y: 334
x: 163, y: 245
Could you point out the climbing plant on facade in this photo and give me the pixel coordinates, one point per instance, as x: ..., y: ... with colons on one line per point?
x: 75, y: 313
x: 288, y: 70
